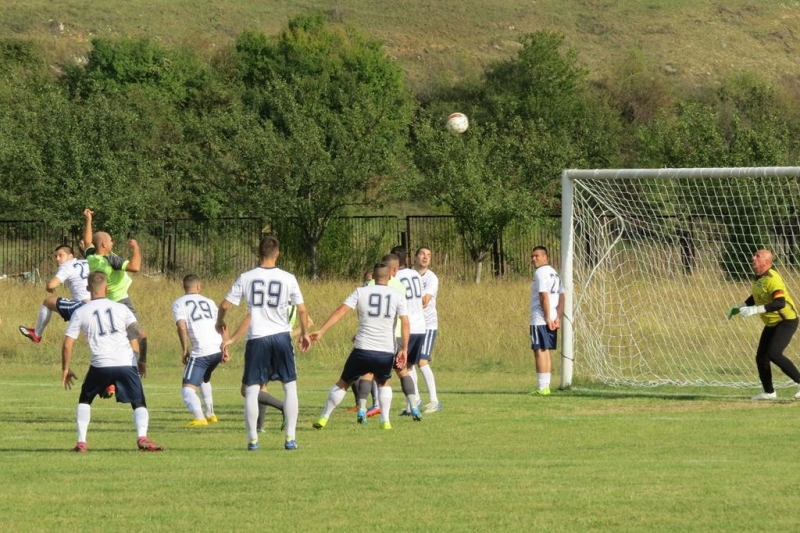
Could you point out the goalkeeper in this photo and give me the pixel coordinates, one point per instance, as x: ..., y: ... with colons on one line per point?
x: 771, y: 300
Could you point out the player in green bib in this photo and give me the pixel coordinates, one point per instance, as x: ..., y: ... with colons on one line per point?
x: 101, y: 258
x: 770, y: 299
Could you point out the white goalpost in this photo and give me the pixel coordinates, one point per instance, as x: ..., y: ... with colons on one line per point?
x: 651, y: 261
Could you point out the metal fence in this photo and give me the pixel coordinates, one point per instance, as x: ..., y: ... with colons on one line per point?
x: 221, y: 248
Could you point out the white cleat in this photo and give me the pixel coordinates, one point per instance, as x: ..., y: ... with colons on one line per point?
x: 765, y: 396
x: 797, y: 394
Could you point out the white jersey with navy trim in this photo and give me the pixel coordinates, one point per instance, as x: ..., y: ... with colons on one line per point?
x: 200, y: 315
x: 378, y: 306
x: 430, y: 285
x: 105, y: 325
x: 268, y: 293
x: 545, y: 279
x: 412, y: 282
x: 73, y: 274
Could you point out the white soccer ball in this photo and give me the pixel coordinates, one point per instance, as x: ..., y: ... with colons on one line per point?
x: 457, y: 123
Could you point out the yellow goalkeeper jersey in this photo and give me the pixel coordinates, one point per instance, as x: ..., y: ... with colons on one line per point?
x: 767, y: 288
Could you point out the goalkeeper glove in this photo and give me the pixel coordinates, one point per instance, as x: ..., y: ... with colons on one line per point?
x: 750, y: 310
x: 733, y: 311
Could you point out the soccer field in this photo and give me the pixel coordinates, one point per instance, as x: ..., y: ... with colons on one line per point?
x: 494, y: 459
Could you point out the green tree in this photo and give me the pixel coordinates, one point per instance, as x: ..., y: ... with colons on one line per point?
x: 532, y: 116
x: 336, y: 112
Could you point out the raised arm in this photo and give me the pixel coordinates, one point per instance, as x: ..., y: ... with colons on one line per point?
x: 135, y: 262
x: 87, y: 230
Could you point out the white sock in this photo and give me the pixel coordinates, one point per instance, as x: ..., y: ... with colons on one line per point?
x: 430, y: 382
x: 385, y: 398
x: 251, y: 410
x: 544, y: 380
x: 335, y: 397
x: 205, y: 388
x: 141, y: 419
x: 83, y: 414
x: 42, y: 320
x: 192, y: 402
x: 291, y: 408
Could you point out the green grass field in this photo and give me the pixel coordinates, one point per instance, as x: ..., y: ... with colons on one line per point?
x: 494, y: 459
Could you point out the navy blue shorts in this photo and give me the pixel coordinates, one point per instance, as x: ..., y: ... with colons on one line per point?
x: 427, y: 345
x: 198, y: 370
x: 269, y: 358
x: 125, y: 379
x: 66, y: 307
x: 543, y: 339
x: 361, y: 362
x: 415, y: 342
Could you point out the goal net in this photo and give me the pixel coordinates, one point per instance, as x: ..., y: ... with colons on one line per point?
x: 652, y: 259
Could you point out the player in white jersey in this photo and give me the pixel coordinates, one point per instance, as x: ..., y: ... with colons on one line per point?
x: 412, y: 286
x: 547, y: 308
x: 107, y: 326
x: 379, y: 307
x: 72, y: 273
x: 268, y: 292
x: 195, y: 317
x: 430, y: 289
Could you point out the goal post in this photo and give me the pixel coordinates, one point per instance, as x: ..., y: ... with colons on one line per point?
x: 652, y: 259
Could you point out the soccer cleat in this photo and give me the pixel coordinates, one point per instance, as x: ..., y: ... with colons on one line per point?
x: 385, y: 425
x: 320, y: 423
x: 79, y: 448
x: 212, y: 419
x: 30, y: 333
x: 290, y: 444
x: 353, y: 409
x: 146, y: 445
x: 416, y: 415
x: 765, y: 396
x: 797, y: 394
x: 283, y: 423
x: 361, y: 416
x: 196, y: 423
x: 109, y: 392
x: 261, y: 430
x: 373, y: 411
x: 541, y: 392
x: 432, y: 407
x: 252, y: 446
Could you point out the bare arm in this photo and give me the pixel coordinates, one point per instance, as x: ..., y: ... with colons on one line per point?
x: 335, y: 317
x: 183, y: 336
x: 67, y: 375
x: 302, y: 315
x: 544, y: 300
x: 426, y: 298
x: 405, y: 335
x: 135, y: 262
x: 560, y: 309
x: 52, y: 284
x: 87, y: 231
x: 221, y: 326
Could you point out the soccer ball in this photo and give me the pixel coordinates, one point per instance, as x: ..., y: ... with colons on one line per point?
x: 457, y: 123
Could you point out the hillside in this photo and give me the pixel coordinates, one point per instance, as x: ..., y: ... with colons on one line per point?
x: 692, y: 42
